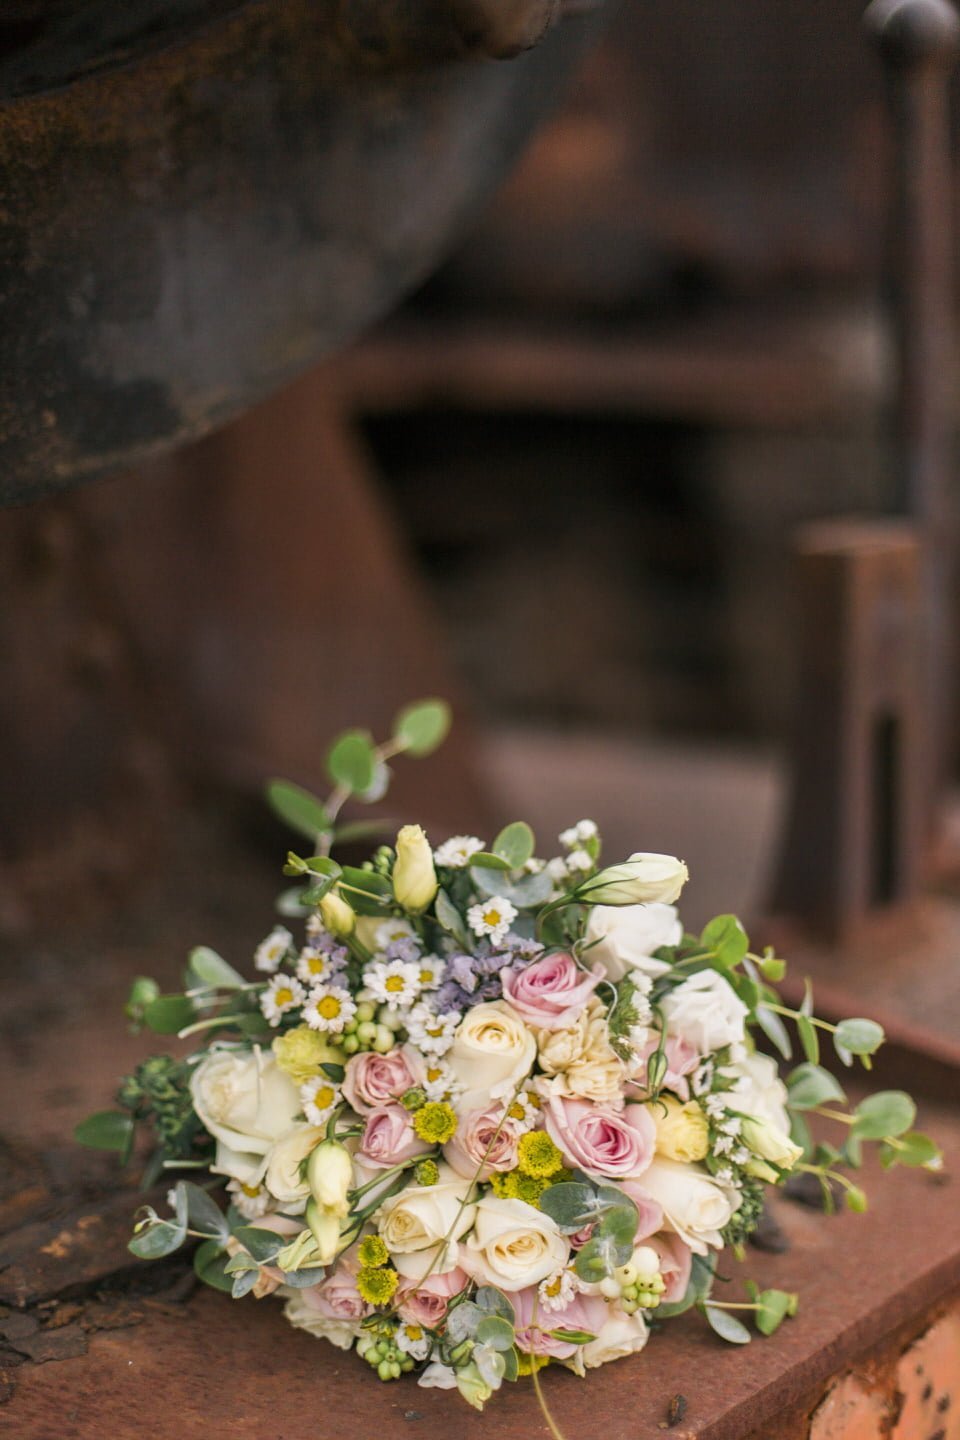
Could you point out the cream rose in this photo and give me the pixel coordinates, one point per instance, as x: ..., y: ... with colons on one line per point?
x: 282, y: 1176
x: 244, y: 1100
x: 758, y: 1090
x: 624, y: 937
x: 706, y: 1011
x: 492, y: 1052
x: 558, y: 1049
x: 695, y: 1205
x: 682, y: 1130
x: 419, y: 1217
x: 513, y: 1245
x: 621, y: 1335
x: 592, y: 1071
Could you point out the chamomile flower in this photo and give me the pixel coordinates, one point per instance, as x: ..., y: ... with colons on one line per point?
x: 430, y: 971
x: 250, y: 1201
x: 579, y: 860
x: 314, y: 966
x: 492, y: 917
x: 412, y: 1340
x: 440, y: 1083
x: 558, y: 1290
x: 388, y: 932
x: 456, y: 852
x: 431, y: 1033
x: 319, y: 1098
x: 282, y: 994
x: 271, y: 951
x: 329, y: 1008
x: 394, y: 982
x: 524, y: 1109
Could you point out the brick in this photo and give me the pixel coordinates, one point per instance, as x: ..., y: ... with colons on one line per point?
x: 928, y: 1384
x: 852, y: 1410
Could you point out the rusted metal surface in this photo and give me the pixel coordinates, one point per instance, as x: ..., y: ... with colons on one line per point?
x: 919, y: 41
x: 852, y: 844
x: 183, y: 233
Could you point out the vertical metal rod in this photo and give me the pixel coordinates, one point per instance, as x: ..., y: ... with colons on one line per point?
x: 919, y: 40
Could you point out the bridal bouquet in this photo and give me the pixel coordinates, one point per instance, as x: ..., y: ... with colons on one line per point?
x: 479, y: 1111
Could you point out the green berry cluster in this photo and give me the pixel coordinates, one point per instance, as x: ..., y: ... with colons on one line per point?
x: 383, y: 1354
x: 160, y: 1089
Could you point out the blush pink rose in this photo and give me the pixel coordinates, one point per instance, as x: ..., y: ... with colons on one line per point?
x: 389, y: 1138
x: 483, y: 1133
x: 676, y: 1260
x: 550, y: 993
x: 425, y: 1302
x: 682, y: 1059
x: 649, y: 1210
x: 372, y: 1080
x: 585, y: 1312
x: 338, y: 1297
x: 600, y: 1141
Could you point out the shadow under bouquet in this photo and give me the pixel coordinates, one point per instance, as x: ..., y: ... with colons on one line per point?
x: 478, y: 1111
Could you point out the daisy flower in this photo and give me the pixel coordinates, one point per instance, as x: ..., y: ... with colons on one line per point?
x: 271, y: 951
x: 314, y: 966
x: 431, y: 1033
x: 329, y: 1008
x: 455, y: 853
x: 492, y: 917
x: 412, y: 1340
x: 430, y: 971
x: 319, y: 1098
x: 250, y: 1201
x: 282, y: 994
x: 389, y: 932
x: 557, y: 1291
x: 440, y: 1083
x: 394, y: 982
x: 524, y: 1109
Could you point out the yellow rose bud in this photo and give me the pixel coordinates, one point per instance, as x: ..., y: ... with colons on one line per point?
x: 337, y: 915
x: 414, y: 878
x: 769, y: 1143
x: 302, y: 1052
x: 682, y: 1132
x: 330, y: 1176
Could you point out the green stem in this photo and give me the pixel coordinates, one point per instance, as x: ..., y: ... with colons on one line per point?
x: 209, y: 1024
x: 795, y: 1014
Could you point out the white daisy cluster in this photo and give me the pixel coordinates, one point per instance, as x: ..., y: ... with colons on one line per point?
x: 457, y: 852
x: 492, y: 918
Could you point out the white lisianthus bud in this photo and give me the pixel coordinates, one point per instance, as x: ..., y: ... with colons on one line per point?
x: 637, y: 881
x: 325, y: 1228
x: 330, y: 1176
x: 337, y: 915
x: 769, y: 1143
x: 414, y: 878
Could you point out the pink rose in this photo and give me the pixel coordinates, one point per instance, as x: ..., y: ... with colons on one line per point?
x: 477, y: 1136
x: 682, y: 1059
x: 584, y: 1312
x: 338, y: 1297
x: 675, y: 1262
x: 650, y: 1211
x: 389, y: 1138
x: 425, y: 1302
x: 372, y: 1080
x: 602, y: 1142
x: 550, y: 993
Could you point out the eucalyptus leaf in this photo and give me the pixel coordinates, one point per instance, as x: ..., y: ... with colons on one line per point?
x: 494, y: 1302
x: 303, y: 1278
x: 859, y: 1037
x: 808, y: 1038
x: 299, y: 809
x: 262, y: 1245
x: 209, y: 1264
x: 206, y: 967
x: 810, y: 1085
x: 378, y: 786
x: 912, y: 1149
x: 727, y: 1326
x: 243, y: 1284
x: 775, y: 1030
x: 570, y: 1204
x: 486, y: 860
x: 496, y: 1332
x: 702, y: 1269
x: 352, y: 760
x: 462, y: 1322
x: 156, y: 1240
x: 203, y: 1213
x: 449, y: 918
x: 727, y: 937
x: 775, y: 1305
x: 423, y: 726
x: 169, y: 1013
x: 515, y: 844
x: 888, y: 1112
x: 511, y: 1364
x: 105, y: 1130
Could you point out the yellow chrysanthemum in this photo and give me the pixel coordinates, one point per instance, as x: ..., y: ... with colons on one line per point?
x: 435, y: 1122
x: 377, y: 1286
x: 537, y: 1155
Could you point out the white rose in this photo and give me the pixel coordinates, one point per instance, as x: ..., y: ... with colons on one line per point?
x: 620, y: 1335
x: 302, y: 1314
x: 706, y: 1011
x: 513, y: 1245
x: 492, y: 1052
x: 244, y: 1099
x: 624, y: 937
x: 758, y: 1090
x: 695, y: 1205
x: 419, y: 1217
x: 282, y: 1177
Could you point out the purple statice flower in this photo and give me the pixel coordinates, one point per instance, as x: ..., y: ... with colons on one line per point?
x: 472, y: 979
x: 406, y: 949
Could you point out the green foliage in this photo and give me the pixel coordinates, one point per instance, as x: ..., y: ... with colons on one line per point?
x: 206, y: 967
x: 810, y: 1086
x: 702, y: 1271
x: 209, y: 1264
x: 808, y: 1039
x: 887, y: 1113
x: 727, y: 938
x: 352, y: 760
x: 858, y: 1037
x: 106, y: 1130
x: 515, y: 844
x: 299, y: 809
x: 775, y: 1030
x: 727, y: 1326
x: 913, y: 1149
x: 422, y: 727
x: 158, y: 1238
x: 169, y: 1014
